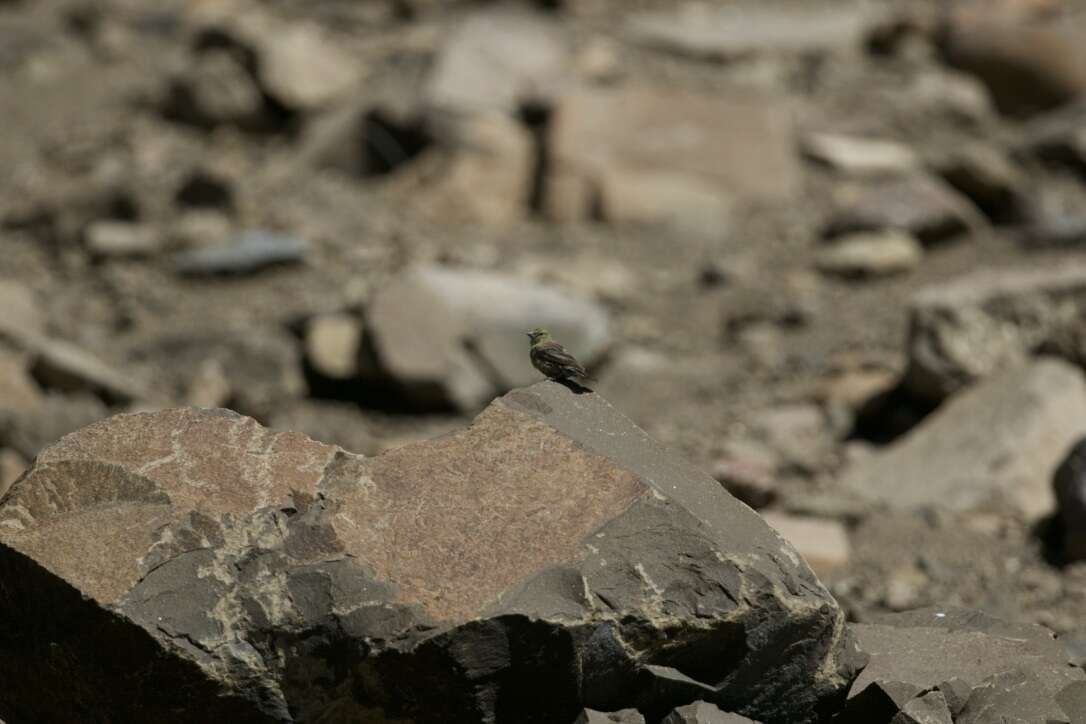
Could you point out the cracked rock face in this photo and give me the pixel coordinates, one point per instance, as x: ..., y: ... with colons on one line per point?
x: 191, y: 565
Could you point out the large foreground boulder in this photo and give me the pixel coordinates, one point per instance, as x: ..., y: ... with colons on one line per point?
x: 190, y: 565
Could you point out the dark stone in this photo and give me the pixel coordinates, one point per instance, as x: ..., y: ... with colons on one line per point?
x: 623, y: 716
x: 251, y: 252
x: 1069, y: 482
x: 701, y: 712
x: 929, y: 708
x: 1015, y: 695
x: 957, y: 652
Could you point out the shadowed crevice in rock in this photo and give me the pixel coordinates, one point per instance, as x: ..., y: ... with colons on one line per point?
x: 550, y: 557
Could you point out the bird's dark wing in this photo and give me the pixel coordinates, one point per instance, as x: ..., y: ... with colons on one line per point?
x: 555, y: 356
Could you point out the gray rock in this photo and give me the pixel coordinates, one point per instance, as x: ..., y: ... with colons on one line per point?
x: 623, y: 716
x: 251, y: 252
x: 1055, y: 230
x: 871, y: 254
x: 859, y: 156
x: 482, y: 172
x: 929, y: 708
x: 725, y: 32
x: 990, y: 179
x: 295, y: 63
x: 1018, y: 696
x: 458, y: 336
x: 1069, y: 483
x: 965, y: 329
x: 215, y: 88
x: 259, y: 368
x: 111, y: 239
x: 921, y: 205
x: 738, y: 144
x: 63, y: 366
x: 1058, y: 137
x: 998, y: 441
x: 1072, y: 699
x: 701, y: 712
x: 569, y: 561
x: 921, y: 651
x: 499, y: 59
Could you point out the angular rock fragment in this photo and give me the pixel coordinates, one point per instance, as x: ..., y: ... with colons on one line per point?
x: 923, y: 206
x: 989, y: 179
x: 295, y: 63
x: 739, y: 145
x: 930, y: 708
x: 215, y: 87
x: 63, y: 366
x: 701, y: 712
x: 623, y: 716
x: 965, y: 329
x: 998, y: 441
x: 499, y: 60
x: 919, y: 659
x: 1018, y: 695
x: 458, y: 336
x: 551, y: 557
x: 482, y: 173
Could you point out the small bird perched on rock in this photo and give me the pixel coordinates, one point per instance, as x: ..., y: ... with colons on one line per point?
x: 552, y: 359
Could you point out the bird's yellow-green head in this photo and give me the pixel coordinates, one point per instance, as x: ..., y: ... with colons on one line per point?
x: 539, y: 336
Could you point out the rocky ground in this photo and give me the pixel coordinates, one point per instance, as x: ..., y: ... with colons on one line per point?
x: 830, y: 253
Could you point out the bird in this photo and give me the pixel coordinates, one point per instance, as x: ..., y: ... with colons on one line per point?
x: 552, y: 359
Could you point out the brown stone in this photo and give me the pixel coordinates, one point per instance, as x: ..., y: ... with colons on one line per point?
x: 738, y: 144
x: 333, y: 343
x: 551, y: 557
x: 998, y: 441
x: 1028, y: 67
